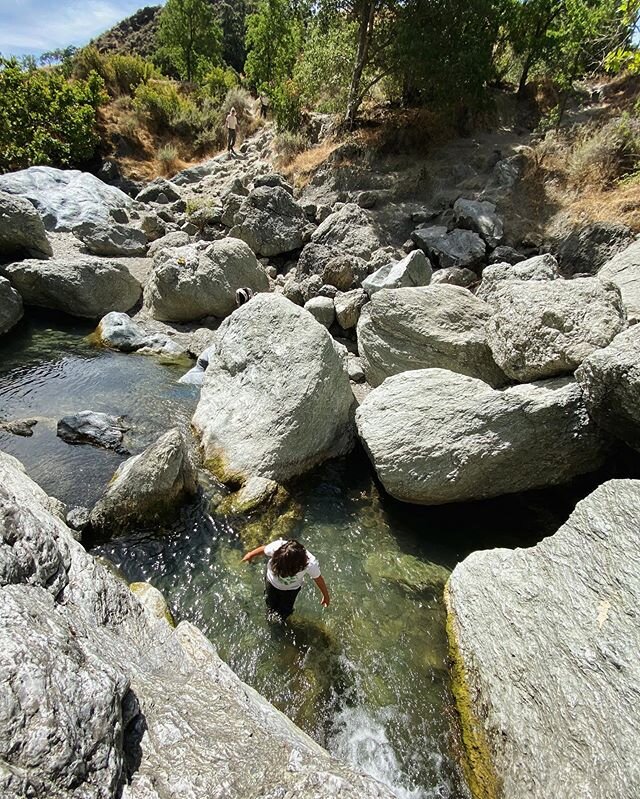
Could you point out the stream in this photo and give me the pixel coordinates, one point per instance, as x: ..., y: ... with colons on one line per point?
x: 367, y: 677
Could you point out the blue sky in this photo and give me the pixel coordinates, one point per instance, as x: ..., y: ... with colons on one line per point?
x: 33, y: 26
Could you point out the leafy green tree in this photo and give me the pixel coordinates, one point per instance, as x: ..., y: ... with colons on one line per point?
x: 190, y: 37
x: 232, y: 15
x: 274, y: 39
x: 46, y: 118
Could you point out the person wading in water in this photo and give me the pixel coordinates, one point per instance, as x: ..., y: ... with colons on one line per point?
x: 288, y: 563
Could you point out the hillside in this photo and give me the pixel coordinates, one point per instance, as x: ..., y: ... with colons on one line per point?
x: 135, y: 35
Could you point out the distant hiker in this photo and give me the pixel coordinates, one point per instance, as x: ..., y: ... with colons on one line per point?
x: 288, y: 563
x: 243, y: 296
x: 231, y: 124
x: 265, y: 102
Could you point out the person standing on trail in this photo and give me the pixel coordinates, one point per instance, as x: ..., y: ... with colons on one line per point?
x: 231, y: 124
x: 288, y: 563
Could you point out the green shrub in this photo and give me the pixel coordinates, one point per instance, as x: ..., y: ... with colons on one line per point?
x: 287, y: 105
x: 45, y: 118
x: 606, y: 154
x: 287, y: 145
x: 160, y: 102
x: 122, y: 74
x: 218, y: 81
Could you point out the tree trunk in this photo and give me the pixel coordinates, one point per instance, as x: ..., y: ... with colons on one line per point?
x: 525, y: 74
x: 367, y: 18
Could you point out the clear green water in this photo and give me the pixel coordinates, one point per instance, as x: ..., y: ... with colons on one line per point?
x: 366, y: 677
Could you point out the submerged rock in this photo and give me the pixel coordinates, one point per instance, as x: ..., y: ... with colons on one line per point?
x: 188, y: 283
x: 21, y: 229
x: 414, y: 270
x: 418, y: 328
x: 107, y: 700
x: 434, y: 436
x: 547, y: 328
x: 409, y: 572
x: 11, y: 310
x: 624, y: 270
x: 85, y: 287
x: 276, y: 399
x: 19, y: 427
x: 544, y: 643
x: 91, y: 427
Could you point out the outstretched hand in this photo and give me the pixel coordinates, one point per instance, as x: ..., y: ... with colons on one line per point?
x: 325, y: 601
x: 247, y: 558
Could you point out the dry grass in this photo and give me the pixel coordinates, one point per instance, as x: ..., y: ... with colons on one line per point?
x: 168, y: 160
x: 301, y: 169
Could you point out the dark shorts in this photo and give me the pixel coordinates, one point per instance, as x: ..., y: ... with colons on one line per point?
x: 280, y: 602
x: 232, y: 138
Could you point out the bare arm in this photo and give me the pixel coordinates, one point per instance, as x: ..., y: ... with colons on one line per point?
x: 319, y: 581
x: 253, y: 554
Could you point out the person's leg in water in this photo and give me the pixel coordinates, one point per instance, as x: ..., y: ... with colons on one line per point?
x: 280, y: 602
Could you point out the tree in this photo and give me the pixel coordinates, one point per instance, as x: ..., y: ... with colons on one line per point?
x: 190, y: 36
x: 274, y: 37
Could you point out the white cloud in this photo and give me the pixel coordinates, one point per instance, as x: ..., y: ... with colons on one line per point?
x: 31, y: 26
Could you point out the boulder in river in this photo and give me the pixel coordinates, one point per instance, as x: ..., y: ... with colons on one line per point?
x: 148, y: 488
x: 85, y: 287
x: 189, y: 283
x: 11, y: 310
x: 270, y: 221
x: 276, y: 398
x: 418, y: 328
x: 545, y: 328
x: 21, y: 229
x: 435, y: 437
x: 108, y: 700
x: 349, y: 230
x: 92, y: 427
x: 624, y: 270
x: 544, y: 643
x: 481, y: 217
x: 414, y: 270
x: 610, y: 379
x: 111, y: 239
x: 118, y: 331
x: 65, y: 198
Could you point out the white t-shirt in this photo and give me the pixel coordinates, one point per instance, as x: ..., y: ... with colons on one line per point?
x: 232, y: 121
x: 290, y: 583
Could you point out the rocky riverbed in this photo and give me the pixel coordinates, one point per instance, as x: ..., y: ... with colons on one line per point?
x: 454, y: 354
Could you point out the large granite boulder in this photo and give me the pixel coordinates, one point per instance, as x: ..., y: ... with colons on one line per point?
x: 21, y: 229
x: 86, y: 287
x: 480, y: 217
x: 276, y: 399
x: 460, y: 248
x: 547, y: 328
x: 624, y: 270
x: 11, y: 310
x: 544, y: 643
x: 104, y: 699
x: 586, y: 249
x: 111, y: 239
x: 189, y: 283
x: 118, y: 331
x: 418, y: 328
x: 148, y: 488
x: 270, y: 221
x: 610, y: 379
x: 65, y: 198
x: 434, y: 436
x: 414, y: 270
x: 540, y: 267
x: 349, y: 230
x: 92, y: 427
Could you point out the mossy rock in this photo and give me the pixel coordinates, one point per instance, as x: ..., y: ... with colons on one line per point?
x: 153, y: 600
x: 407, y: 571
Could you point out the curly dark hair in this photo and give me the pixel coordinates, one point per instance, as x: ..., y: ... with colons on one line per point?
x: 289, y: 559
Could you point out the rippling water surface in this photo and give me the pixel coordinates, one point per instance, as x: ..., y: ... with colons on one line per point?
x: 368, y: 676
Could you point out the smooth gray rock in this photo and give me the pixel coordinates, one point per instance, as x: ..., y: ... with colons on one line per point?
x: 92, y: 427
x: 65, y: 198
x: 588, y: 248
x: 153, y: 227
x: 454, y: 276
x: 350, y: 230
x: 270, y: 221
x: 480, y: 217
x: 414, y: 270
x: 106, y: 699
x: 348, y: 306
x: 322, y: 309
x: 420, y: 328
x: 86, y: 287
x: 461, y: 248
x: 188, y: 283
x: 271, y: 180
x: 111, y: 239
x: 148, y: 488
x: 435, y: 437
x: 610, y: 379
x: 546, y: 641
x: 21, y: 229
x: 177, y: 238
x: 624, y: 270
x: 540, y: 267
x: 11, y: 310
x: 547, y: 328
x: 159, y: 186
x: 118, y: 331
x: 276, y: 399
